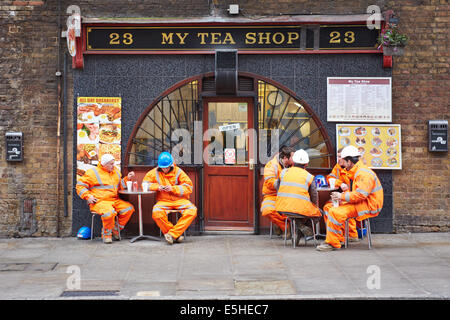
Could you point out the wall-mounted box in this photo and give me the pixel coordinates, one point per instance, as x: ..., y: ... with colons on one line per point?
x: 438, y: 135
x: 14, y: 146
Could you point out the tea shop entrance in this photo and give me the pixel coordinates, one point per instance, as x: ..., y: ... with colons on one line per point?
x: 235, y: 144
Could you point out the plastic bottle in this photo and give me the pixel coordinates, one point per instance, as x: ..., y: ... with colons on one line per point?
x: 135, y: 186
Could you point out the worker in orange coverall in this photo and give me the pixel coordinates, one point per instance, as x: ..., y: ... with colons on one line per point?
x: 342, y: 181
x: 99, y: 187
x: 272, y: 172
x: 173, y: 187
x: 365, y: 200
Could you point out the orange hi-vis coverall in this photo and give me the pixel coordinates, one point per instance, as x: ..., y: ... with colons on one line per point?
x: 272, y: 171
x: 341, y: 176
x: 177, y: 199
x: 293, y: 193
x: 364, y: 201
x: 104, y: 186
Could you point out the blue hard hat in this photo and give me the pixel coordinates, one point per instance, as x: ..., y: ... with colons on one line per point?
x: 320, y: 181
x: 84, y: 233
x: 165, y: 160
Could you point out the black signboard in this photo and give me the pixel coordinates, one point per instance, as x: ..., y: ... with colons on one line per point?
x: 243, y: 38
x: 13, y: 146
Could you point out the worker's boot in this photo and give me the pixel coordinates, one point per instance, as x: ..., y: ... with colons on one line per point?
x: 107, y: 239
x: 180, y: 239
x: 168, y: 238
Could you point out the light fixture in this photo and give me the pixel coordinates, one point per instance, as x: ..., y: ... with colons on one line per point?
x: 233, y: 9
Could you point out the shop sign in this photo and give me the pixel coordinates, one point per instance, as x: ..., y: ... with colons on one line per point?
x: 378, y: 144
x: 359, y: 99
x: 241, y: 37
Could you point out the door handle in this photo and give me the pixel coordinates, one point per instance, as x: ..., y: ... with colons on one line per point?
x: 251, y: 164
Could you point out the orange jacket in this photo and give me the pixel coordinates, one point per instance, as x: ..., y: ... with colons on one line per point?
x: 100, y: 183
x: 181, y: 184
x: 272, y: 172
x: 367, y: 192
x: 340, y: 174
x: 293, y: 194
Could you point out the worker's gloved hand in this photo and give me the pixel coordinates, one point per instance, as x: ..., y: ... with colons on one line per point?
x: 344, y: 187
x: 335, y: 196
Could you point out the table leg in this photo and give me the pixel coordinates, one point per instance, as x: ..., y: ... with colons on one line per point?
x: 141, y: 229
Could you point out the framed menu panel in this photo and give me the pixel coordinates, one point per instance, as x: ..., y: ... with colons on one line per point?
x: 379, y: 144
x: 359, y: 99
x: 98, y: 130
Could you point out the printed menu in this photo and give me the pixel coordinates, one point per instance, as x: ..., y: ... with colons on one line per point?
x: 359, y: 99
x: 379, y: 144
x: 98, y: 130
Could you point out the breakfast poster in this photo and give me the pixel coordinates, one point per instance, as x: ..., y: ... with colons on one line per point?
x: 98, y: 130
x: 379, y: 144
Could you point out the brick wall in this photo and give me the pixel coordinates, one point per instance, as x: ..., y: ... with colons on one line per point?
x: 29, y: 99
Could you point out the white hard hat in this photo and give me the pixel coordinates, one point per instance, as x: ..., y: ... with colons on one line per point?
x: 350, y: 151
x: 106, y: 158
x: 301, y: 157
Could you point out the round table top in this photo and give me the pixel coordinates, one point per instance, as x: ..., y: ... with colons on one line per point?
x: 140, y: 191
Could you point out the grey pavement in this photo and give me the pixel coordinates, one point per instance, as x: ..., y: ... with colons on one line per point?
x: 400, y: 266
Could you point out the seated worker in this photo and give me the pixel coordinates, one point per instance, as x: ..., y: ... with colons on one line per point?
x: 343, y: 182
x: 173, y: 187
x: 99, y: 187
x: 297, y: 192
x: 272, y: 172
x: 365, y: 200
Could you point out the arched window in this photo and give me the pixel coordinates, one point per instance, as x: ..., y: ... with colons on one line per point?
x: 277, y: 109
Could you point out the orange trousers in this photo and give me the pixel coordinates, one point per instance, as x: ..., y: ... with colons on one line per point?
x: 352, y: 233
x: 188, y: 214
x: 108, y: 209
x: 335, y: 222
x: 268, y: 210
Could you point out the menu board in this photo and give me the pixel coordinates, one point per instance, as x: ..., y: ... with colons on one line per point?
x: 379, y: 144
x: 98, y: 130
x: 359, y: 99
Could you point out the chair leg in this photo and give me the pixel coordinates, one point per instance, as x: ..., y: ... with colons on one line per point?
x: 285, y: 230
x: 346, y: 233
x: 294, y: 232
x: 314, y: 232
x: 271, y: 227
x: 92, y: 226
x: 369, y: 233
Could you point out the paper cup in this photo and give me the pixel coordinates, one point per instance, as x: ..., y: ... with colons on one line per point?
x: 335, y: 203
x: 129, y: 185
x: 145, y: 186
x: 332, y: 183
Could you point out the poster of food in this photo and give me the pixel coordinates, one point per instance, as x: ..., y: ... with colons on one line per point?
x: 98, y: 130
x: 379, y: 144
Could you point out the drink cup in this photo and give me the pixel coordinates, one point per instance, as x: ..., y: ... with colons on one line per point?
x: 145, y: 186
x: 335, y: 203
x: 129, y: 185
x: 332, y: 183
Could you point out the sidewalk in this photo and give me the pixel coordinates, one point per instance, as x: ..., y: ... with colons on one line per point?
x: 226, y: 267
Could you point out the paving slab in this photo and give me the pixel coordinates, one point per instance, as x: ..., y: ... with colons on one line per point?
x: 233, y: 266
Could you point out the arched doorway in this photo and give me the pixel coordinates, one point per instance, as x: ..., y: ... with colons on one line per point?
x: 200, y: 128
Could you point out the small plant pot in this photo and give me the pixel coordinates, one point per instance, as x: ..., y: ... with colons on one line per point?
x: 393, y: 50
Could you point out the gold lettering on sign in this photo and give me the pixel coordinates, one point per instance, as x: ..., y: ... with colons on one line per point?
x: 182, y: 37
x: 167, y: 38
x: 229, y: 39
x: 250, y: 38
x: 292, y: 36
x: 202, y: 35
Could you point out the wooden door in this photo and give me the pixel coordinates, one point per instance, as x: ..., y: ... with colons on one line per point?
x: 228, y: 187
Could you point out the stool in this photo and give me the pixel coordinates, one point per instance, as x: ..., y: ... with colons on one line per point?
x: 369, y: 233
x: 116, y: 218
x: 293, y: 217
x: 176, y: 219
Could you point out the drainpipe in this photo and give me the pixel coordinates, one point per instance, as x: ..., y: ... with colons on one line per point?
x: 58, y: 133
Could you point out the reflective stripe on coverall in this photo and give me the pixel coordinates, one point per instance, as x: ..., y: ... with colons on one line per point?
x: 177, y: 199
x: 364, y: 201
x: 341, y: 176
x: 272, y: 171
x: 104, y: 186
x: 293, y: 195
